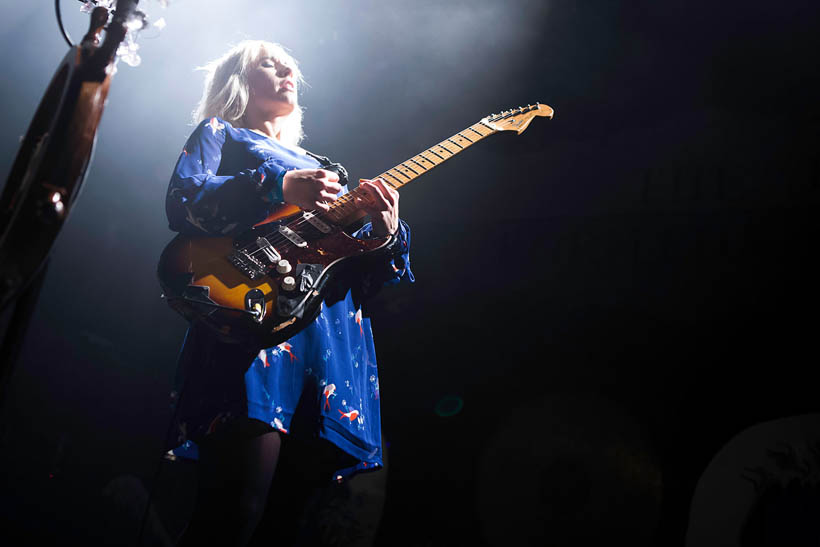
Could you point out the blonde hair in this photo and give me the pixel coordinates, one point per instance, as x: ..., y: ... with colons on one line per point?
x: 226, y: 87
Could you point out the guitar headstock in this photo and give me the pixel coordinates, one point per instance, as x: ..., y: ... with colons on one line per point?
x: 519, y: 118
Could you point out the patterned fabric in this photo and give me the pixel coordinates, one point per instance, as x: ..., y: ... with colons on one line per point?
x: 226, y: 180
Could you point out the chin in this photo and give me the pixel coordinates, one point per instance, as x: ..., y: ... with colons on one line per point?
x: 281, y: 108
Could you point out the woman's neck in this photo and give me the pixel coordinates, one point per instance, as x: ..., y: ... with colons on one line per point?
x: 267, y: 124
x: 268, y: 128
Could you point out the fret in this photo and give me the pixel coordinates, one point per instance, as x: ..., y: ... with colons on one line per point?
x: 350, y: 207
x: 417, y: 163
x: 437, y: 155
x: 343, y: 202
x: 400, y: 173
x: 404, y: 171
x: 395, y: 177
x: 387, y: 174
x: 408, y: 167
x: 390, y: 184
x: 427, y: 159
x: 336, y: 212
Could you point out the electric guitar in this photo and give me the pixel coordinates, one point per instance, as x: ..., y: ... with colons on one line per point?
x: 267, y: 284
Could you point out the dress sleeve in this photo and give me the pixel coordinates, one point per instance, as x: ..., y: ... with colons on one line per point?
x: 200, y: 202
x: 396, y: 266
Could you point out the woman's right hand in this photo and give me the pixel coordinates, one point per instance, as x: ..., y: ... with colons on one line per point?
x: 310, y: 189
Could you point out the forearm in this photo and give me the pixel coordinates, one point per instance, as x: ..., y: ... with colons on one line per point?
x: 202, y: 199
x: 217, y: 205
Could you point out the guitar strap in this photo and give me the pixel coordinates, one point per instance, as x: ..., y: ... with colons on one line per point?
x: 337, y: 168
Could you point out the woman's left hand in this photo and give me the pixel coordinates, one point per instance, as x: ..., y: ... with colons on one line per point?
x: 381, y: 201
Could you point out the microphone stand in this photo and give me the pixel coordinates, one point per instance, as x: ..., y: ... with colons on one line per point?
x: 48, y: 172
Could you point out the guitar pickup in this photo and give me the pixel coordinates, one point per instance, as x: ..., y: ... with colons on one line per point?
x: 317, y: 223
x: 292, y: 236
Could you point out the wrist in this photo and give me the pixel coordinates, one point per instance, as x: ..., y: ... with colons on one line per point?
x: 272, y: 189
x: 382, y: 227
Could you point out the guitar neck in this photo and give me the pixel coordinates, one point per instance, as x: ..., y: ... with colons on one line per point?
x: 346, y: 210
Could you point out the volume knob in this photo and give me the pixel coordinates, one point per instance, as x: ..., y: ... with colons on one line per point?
x: 283, y: 266
x: 289, y: 283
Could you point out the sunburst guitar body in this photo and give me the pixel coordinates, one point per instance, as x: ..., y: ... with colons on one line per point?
x: 260, y: 288
x: 269, y: 283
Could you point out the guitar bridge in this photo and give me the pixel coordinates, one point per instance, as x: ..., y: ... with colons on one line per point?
x: 247, y: 264
x: 255, y: 263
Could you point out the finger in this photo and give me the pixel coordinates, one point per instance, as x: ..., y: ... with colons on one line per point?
x: 323, y: 205
x: 368, y: 195
x: 332, y: 187
x: 390, y: 193
x: 380, y: 200
x: 327, y: 196
x: 366, y: 199
x: 386, y: 188
x: 329, y: 175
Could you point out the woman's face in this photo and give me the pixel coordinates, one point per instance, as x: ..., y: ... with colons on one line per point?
x: 272, y: 87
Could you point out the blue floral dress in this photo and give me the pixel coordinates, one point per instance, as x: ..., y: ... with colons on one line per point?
x: 226, y: 180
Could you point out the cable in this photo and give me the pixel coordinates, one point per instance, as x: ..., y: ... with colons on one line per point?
x: 60, y: 23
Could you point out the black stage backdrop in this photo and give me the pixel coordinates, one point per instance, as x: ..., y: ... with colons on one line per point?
x: 602, y: 303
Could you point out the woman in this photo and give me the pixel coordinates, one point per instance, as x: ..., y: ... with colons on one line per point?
x: 314, y: 398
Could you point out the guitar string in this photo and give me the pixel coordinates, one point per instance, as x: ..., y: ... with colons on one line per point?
x: 281, y: 241
x: 347, y: 198
x: 338, y: 204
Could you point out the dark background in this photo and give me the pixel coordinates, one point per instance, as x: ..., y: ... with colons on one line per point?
x: 613, y: 295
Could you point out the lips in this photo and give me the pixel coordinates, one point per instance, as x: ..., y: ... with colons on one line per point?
x: 290, y: 86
